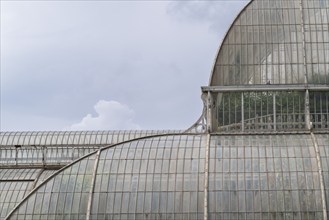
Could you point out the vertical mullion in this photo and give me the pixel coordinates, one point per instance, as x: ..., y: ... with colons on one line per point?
x: 242, y: 111
x: 223, y: 109
x: 92, y: 186
x: 235, y: 109
x: 327, y: 108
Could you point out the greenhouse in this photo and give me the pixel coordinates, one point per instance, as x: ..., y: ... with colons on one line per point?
x: 260, y: 149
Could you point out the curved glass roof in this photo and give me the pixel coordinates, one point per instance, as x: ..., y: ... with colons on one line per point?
x: 147, y: 178
x: 82, y: 138
x: 259, y: 151
x: 271, y: 73
x: 59, y: 148
x: 15, y: 184
x: 276, y: 42
x: 249, y: 177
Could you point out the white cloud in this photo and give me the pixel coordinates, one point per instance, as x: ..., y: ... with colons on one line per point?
x: 110, y: 115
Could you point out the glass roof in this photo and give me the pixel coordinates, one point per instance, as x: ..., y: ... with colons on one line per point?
x: 276, y: 42
x: 259, y: 151
x: 75, y: 137
x: 271, y: 73
x: 250, y: 177
x: 264, y: 177
x: 59, y: 148
x: 15, y: 184
x: 323, y: 142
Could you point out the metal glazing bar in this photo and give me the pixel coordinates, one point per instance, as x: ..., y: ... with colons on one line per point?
x: 206, y: 180
x: 242, y: 112
x: 17, y: 180
x: 274, y: 111
x: 307, y: 96
x: 43, y: 148
x: 209, y: 128
x: 92, y: 185
x: 209, y: 115
x: 36, y: 179
x: 272, y: 87
x: 16, y: 156
x: 33, y: 166
x: 323, y: 193
x: 303, y: 39
x: 307, y: 110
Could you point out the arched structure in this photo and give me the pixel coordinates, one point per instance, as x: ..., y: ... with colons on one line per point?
x: 277, y: 42
x: 271, y: 72
x: 259, y: 151
x: 163, y: 177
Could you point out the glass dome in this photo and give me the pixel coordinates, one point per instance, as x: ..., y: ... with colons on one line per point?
x: 276, y: 42
x: 259, y: 151
x: 272, y: 70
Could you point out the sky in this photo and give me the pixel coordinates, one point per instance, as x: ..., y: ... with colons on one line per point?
x: 107, y: 65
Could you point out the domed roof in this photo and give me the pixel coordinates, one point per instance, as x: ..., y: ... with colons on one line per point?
x: 164, y: 177
x: 264, y: 155
x: 150, y: 178
x: 272, y: 69
x: 276, y: 42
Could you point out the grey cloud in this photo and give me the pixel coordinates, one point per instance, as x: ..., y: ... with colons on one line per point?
x: 59, y: 58
x: 217, y: 14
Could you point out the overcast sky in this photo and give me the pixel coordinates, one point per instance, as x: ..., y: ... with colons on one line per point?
x: 95, y: 65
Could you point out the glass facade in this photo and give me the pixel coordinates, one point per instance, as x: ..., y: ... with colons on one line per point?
x: 269, y: 111
x: 259, y: 151
x: 152, y: 178
x: 269, y: 41
x: 250, y: 177
x: 323, y: 142
x: 276, y: 57
x: 59, y: 148
x: 70, y: 138
x: 264, y: 177
x: 14, y: 186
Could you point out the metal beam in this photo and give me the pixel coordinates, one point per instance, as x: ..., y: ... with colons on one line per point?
x: 91, y: 191
x: 206, y: 179
x: 33, y: 166
x: 272, y: 87
x: 323, y: 192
